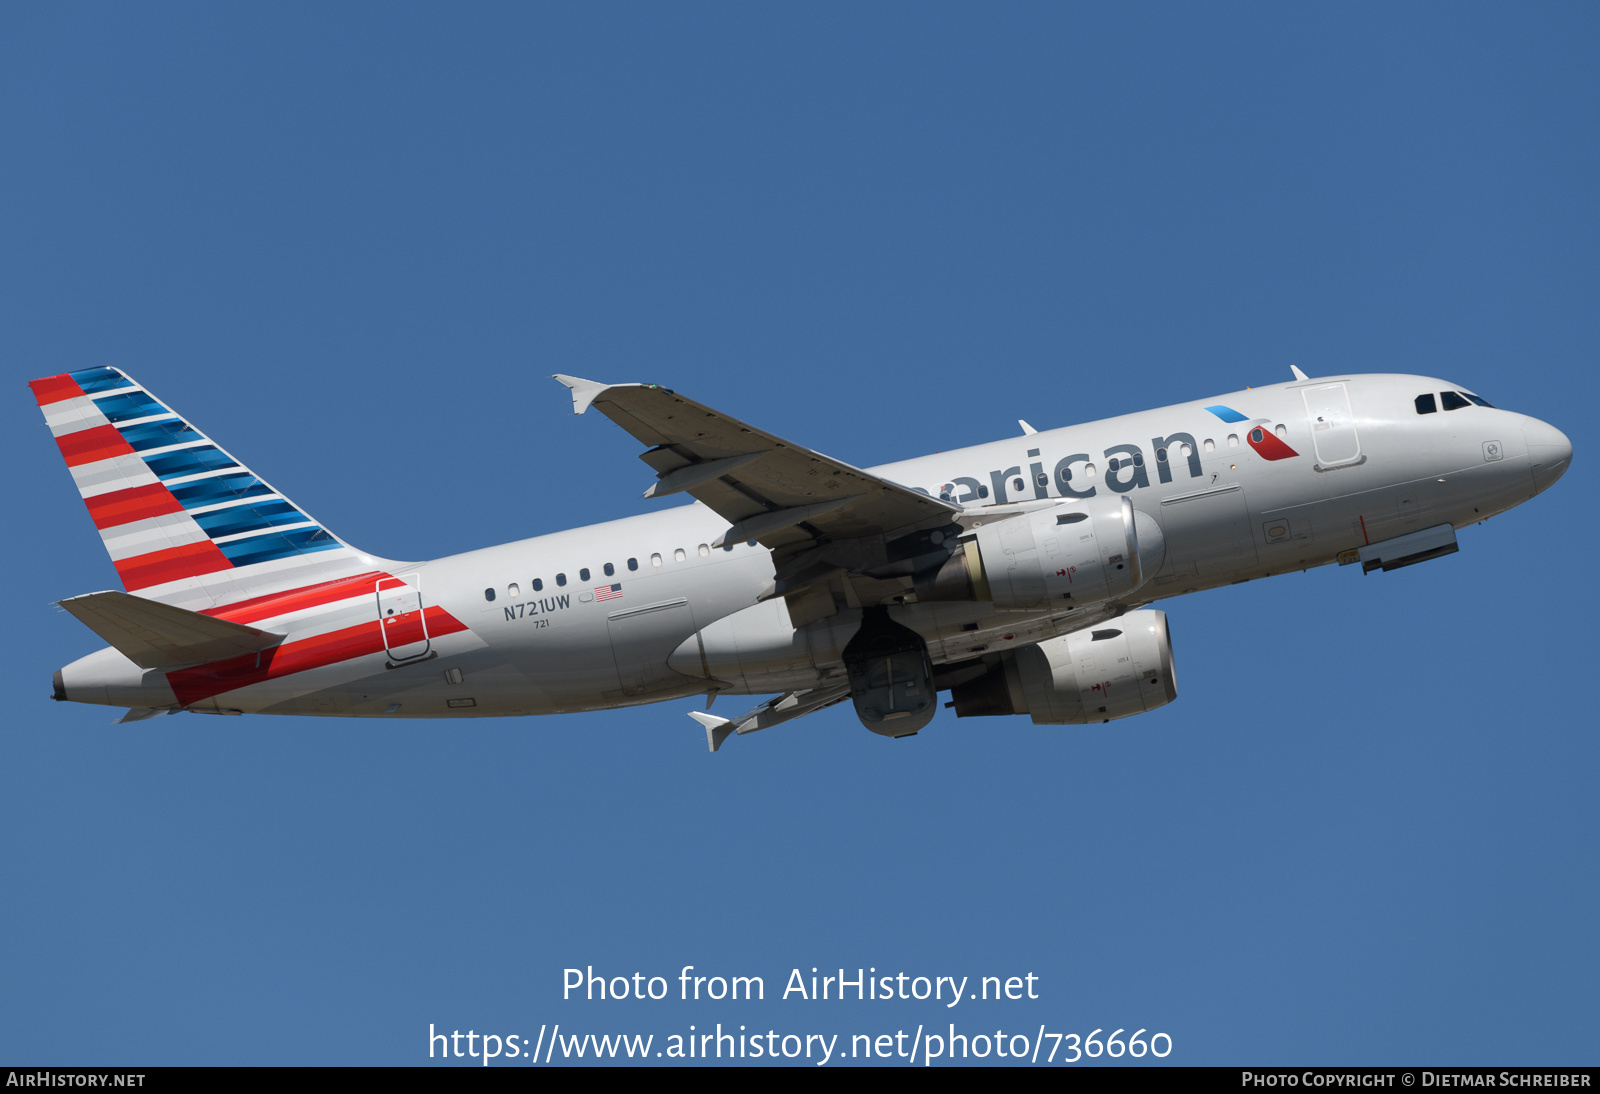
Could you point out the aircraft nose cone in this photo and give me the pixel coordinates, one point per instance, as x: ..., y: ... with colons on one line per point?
x: 1549, y: 453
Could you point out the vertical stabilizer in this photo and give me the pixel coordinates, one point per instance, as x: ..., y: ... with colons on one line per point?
x: 184, y: 522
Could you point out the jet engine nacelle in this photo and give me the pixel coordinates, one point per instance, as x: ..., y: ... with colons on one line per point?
x: 1079, y: 552
x: 1119, y: 668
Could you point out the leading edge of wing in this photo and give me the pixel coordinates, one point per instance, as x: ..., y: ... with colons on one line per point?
x: 757, y: 481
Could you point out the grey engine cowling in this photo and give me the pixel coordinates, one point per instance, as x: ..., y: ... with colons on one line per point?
x: 1078, y: 552
x: 1120, y: 668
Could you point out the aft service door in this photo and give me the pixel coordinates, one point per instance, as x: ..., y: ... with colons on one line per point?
x: 401, y: 618
x: 1333, y: 426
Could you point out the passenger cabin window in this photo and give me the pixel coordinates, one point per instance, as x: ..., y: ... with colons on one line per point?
x: 1233, y: 440
x: 513, y: 589
x: 1211, y: 445
x: 1453, y: 401
x: 1282, y: 430
x: 633, y: 564
x: 538, y: 583
x: 704, y: 550
x: 679, y: 555
x: 1017, y: 484
x: 488, y: 594
x: 610, y: 569
x: 583, y: 574
x: 983, y: 491
x: 1426, y: 405
x: 561, y: 579
x: 655, y: 560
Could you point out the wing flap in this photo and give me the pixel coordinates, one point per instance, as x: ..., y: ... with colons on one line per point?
x: 160, y: 636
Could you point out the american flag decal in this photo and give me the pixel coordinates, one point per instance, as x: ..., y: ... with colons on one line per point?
x: 608, y: 592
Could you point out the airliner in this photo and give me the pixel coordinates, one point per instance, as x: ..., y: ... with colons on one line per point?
x: 1016, y: 575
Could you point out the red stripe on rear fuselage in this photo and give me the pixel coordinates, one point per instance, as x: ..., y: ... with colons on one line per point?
x: 136, y: 503
x: 294, y: 600
x: 362, y: 640
x: 90, y: 445
x: 53, y: 389
x: 160, y: 567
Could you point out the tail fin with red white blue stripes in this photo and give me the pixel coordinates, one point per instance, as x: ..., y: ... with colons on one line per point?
x: 184, y: 522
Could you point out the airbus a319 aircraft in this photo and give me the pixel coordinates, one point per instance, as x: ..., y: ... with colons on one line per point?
x: 1015, y: 575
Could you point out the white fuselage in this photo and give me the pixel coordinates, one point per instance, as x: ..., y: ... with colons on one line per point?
x: 685, y: 619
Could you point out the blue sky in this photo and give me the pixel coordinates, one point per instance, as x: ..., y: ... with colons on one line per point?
x: 353, y: 242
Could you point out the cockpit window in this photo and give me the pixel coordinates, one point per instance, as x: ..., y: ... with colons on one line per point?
x: 1453, y: 401
x: 1426, y: 405
x: 1479, y: 401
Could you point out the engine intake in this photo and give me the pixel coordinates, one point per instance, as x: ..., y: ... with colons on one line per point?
x: 1118, y: 669
x: 1080, y: 552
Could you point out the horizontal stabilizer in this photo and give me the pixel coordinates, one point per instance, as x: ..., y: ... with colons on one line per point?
x: 717, y: 729
x: 139, y: 714
x: 159, y: 636
x: 784, y: 708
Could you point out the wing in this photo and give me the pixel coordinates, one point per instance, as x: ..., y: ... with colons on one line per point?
x: 839, y: 536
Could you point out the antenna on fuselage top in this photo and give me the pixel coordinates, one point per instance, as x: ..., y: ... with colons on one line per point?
x: 1298, y: 375
x: 1027, y: 430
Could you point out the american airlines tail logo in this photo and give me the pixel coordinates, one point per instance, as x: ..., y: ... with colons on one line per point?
x: 1266, y: 443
